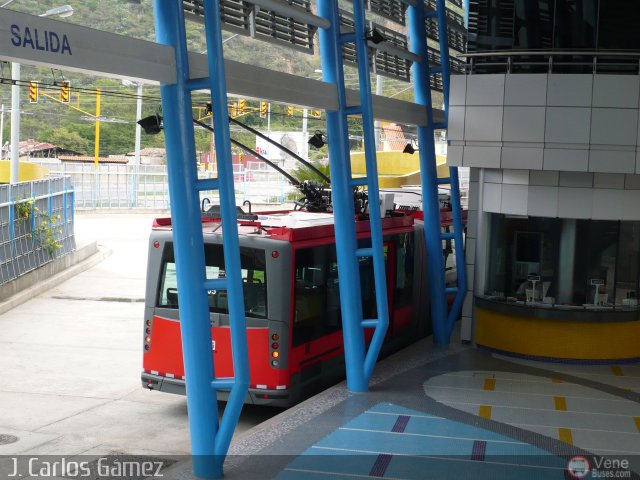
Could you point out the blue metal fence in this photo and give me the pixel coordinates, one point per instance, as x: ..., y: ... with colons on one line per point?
x: 36, y: 225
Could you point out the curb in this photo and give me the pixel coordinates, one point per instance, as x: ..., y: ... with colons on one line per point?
x: 89, y: 255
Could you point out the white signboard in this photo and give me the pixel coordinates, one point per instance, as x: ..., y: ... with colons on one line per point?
x: 294, y: 141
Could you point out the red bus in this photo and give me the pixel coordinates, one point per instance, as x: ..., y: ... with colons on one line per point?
x: 292, y: 302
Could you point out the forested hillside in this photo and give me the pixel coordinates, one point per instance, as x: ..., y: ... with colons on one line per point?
x: 50, y: 121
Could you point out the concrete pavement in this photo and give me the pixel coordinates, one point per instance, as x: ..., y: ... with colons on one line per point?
x: 71, y: 360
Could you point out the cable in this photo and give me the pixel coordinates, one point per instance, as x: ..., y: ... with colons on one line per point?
x: 247, y: 149
x: 283, y: 148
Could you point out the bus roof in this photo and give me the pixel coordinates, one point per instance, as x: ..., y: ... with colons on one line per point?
x: 293, y: 226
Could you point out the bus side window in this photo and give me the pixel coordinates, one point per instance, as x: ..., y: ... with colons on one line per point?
x: 172, y: 297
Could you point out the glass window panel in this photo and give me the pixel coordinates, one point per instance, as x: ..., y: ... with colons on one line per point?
x: 522, y: 247
x: 627, y: 265
x: 254, y: 281
x: 404, y: 270
x: 618, y: 25
x: 533, y: 24
x: 575, y: 24
x: 317, y: 298
x: 595, y: 260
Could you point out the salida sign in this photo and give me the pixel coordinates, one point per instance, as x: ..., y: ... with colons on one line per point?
x: 43, y: 40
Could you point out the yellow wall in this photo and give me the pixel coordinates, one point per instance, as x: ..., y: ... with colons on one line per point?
x: 27, y: 172
x: 561, y: 339
x: 396, y: 169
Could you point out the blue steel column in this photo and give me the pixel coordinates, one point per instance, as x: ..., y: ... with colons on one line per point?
x: 339, y: 160
x: 465, y: 5
x: 188, y: 245
x: 240, y: 352
x: 429, y: 176
x: 454, y: 182
x: 382, y: 323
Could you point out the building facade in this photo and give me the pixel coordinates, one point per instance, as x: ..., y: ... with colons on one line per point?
x: 547, y: 119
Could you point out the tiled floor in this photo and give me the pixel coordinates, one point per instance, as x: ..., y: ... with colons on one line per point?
x: 455, y: 413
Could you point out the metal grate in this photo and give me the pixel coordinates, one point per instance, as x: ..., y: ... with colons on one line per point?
x: 247, y: 19
x: 235, y: 15
x: 457, y: 39
x: 393, y: 10
x: 272, y: 27
x: 454, y: 20
x: 380, y: 62
x: 435, y: 80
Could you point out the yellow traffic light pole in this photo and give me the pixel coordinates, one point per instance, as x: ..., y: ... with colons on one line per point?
x: 96, y: 116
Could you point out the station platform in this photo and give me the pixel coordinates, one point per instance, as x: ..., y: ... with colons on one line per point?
x: 451, y: 413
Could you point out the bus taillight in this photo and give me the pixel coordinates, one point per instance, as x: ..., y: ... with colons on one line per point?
x: 147, y: 335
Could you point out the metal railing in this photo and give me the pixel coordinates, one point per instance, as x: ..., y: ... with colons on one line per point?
x: 124, y: 186
x: 36, y: 225
x: 553, y: 61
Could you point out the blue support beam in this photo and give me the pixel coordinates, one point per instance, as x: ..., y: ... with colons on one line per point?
x: 429, y: 176
x: 342, y: 193
x: 443, y: 320
x: 377, y: 243
x: 209, y: 440
x: 230, y: 239
x: 359, y: 361
x: 187, y: 238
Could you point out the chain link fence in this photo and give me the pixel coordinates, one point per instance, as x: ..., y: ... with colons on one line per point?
x: 36, y: 225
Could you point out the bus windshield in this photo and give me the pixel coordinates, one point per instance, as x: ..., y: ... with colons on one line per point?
x: 254, y: 280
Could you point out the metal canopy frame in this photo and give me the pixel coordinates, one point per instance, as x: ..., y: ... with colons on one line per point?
x: 181, y: 72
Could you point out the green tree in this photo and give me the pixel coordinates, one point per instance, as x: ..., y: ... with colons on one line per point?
x: 67, y: 139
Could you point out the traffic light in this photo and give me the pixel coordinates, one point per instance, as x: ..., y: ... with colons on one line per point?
x: 234, y: 109
x: 240, y: 157
x: 242, y: 106
x: 208, y: 109
x: 33, y: 92
x: 290, y: 111
x: 316, y: 113
x: 65, y: 91
x: 264, y: 109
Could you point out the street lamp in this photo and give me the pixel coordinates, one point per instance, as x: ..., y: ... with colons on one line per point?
x: 63, y: 11
x: 129, y: 83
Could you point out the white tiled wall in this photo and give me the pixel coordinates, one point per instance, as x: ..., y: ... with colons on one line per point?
x: 569, y: 90
x: 542, y: 201
x: 612, y: 161
x: 568, y: 125
x: 614, y: 126
x: 584, y: 195
x: 529, y: 90
x: 524, y: 158
x: 615, y: 91
x: 572, y: 160
x: 552, y: 122
x: 606, y: 203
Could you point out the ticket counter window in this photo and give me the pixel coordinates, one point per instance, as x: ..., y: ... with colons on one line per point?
x: 563, y: 261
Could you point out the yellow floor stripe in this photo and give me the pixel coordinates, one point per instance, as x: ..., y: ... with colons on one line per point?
x: 561, y: 403
x: 485, y: 411
x: 617, y: 371
x: 556, y: 380
x: 565, y: 435
x: 637, y: 422
x: 489, y: 383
